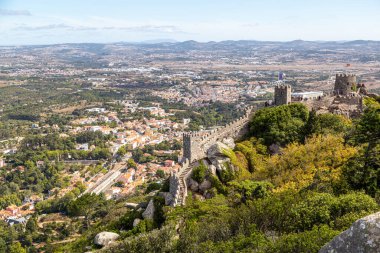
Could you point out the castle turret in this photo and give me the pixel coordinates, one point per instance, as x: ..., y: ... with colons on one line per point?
x: 187, y: 141
x: 344, y: 84
x: 282, y: 94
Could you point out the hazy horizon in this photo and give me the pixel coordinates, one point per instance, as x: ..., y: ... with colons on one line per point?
x: 159, y: 41
x: 40, y: 22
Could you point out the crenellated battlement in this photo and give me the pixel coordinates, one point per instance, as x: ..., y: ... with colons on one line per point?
x: 195, y: 144
x: 283, y: 86
x: 345, y: 75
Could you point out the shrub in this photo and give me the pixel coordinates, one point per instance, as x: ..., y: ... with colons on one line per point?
x: 355, y: 202
x: 153, y: 187
x: 308, y: 241
x: 215, y: 182
x: 199, y: 173
x: 166, y: 185
x: 249, y: 190
x: 281, y: 124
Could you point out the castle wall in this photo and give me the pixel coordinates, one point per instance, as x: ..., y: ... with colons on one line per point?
x: 319, y: 104
x: 174, y: 187
x: 195, y: 145
x: 176, y: 179
x: 350, y: 106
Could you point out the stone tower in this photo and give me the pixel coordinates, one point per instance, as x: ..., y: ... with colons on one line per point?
x: 282, y: 94
x: 344, y: 84
x: 191, y: 146
x: 187, y: 145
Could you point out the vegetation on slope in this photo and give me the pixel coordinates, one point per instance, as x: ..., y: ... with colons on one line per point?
x: 324, y: 176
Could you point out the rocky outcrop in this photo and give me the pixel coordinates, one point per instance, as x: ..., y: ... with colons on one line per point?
x: 105, y: 238
x: 205, y: 185
x: 193, y: 185
x: 212, y: 169
x: 136, y: 222
x: 217, y: 150
x: 216, y: 155
x: 131, y: 205
x: 220, y: 163
x: 230, y: 142
x: 209, y: 194
x: 167, y: 196
x: 362, y: 237
x: 149, y: 211
x: 142, y: 205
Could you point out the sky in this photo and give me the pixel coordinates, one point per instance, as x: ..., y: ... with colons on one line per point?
x: 25, y: 22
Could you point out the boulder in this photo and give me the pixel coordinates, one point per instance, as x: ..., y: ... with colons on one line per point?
x: 131, y: 205
x: 220, y: 163
x: 193, y: 185
x: 149, y: 211
x: 362, y: 236
x: 198, y: 197
x: 205, y: 185
x: 217, y: 150
x: 208, y: 194
x: 105, y: 238
x: 136, y: 222
x: 89, y: 248
x: 230, y: 142
x: 153, y: 193
x: 142, y: 205
x: 167, y: 196
x: 212, y: 169
x: 274, y: 149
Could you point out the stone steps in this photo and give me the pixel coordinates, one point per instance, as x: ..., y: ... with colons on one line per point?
x: 182, y: 185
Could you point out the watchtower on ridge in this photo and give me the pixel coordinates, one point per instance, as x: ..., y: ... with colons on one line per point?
x: 282, y: 94
x: 344, y: 84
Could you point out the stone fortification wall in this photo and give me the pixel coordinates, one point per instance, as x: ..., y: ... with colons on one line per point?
x: 195, y: 144
x: 174, y: 187
x: 350, y: 105
x: 178, y: 185
x: 319, y: 105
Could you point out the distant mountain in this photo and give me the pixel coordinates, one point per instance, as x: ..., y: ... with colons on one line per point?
x: 158, y: 41
x: 192, y: 44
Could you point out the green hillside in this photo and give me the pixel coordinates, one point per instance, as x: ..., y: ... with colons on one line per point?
x: 301, y: 179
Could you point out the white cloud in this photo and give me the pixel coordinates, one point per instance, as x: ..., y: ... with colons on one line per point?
x: 5, y: 12
x: 62, y: 26
x: 251, y: 25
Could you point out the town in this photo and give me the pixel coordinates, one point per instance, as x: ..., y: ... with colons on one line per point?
x: 114, y: 125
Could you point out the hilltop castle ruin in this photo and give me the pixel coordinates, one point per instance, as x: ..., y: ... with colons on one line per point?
x: 346, y: 99
x: 195, y: 146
